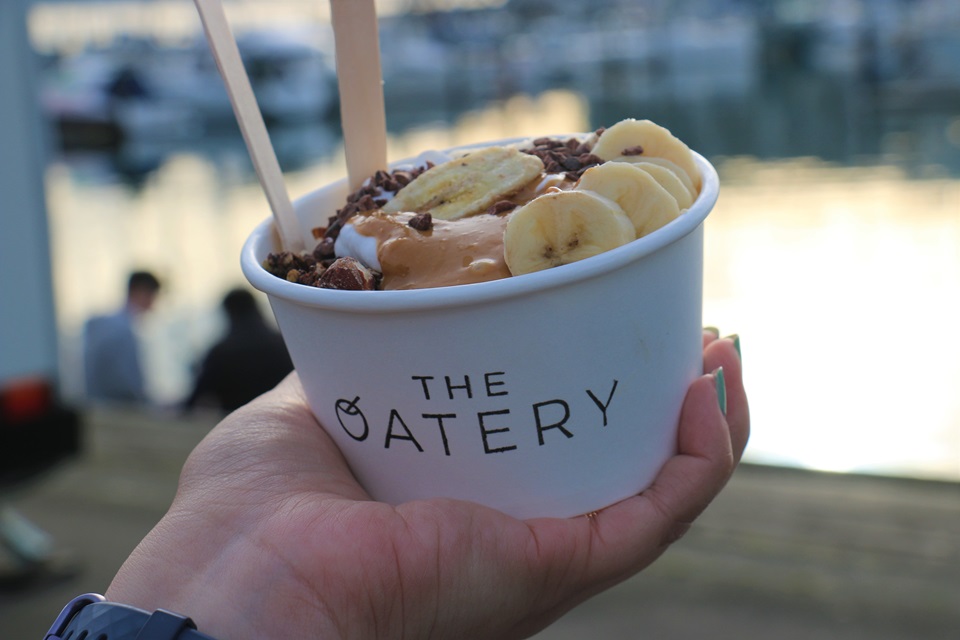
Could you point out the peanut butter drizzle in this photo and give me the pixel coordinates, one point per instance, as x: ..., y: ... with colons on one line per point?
x: 464, y: 251
x: 453, y: 252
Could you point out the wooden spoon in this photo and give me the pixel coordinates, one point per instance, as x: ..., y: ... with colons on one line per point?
x: 360, y: 82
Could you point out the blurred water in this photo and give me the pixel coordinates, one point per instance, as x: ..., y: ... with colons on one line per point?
x: 833, y: 250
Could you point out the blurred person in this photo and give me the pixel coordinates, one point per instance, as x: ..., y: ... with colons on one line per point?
x: 249, y: 360
x: 111, y: 351
x: 270, y: 535
x: 127, y: 85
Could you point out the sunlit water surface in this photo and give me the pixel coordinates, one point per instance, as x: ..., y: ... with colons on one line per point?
x: 842, y: 282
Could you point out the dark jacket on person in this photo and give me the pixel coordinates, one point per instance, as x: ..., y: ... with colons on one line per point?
x: 248, y: 361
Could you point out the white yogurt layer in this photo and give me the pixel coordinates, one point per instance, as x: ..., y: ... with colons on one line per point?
x: 354, y: 244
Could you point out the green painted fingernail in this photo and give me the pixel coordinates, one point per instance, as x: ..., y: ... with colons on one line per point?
x: 736, y: 343
x: 713, y: 330
x: 721, y: 389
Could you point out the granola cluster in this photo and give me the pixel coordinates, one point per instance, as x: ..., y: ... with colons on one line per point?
x: 299, y: 268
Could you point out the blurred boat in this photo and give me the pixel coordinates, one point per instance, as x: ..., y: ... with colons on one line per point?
x: 490, y: 54
x: 137, y: 90
x: 291, y: 77
x: 103, y: 97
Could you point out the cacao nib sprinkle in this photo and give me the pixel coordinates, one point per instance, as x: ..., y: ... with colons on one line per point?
x: 366, y: 203
x: 589, y: 159
x: 633, y: 151
x: 570, y: 157
x: 325, y: 250
x: 366, y: 198
x: 500, y: 207
x: 421, y: 222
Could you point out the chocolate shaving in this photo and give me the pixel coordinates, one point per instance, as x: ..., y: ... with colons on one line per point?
x: 633, y: 151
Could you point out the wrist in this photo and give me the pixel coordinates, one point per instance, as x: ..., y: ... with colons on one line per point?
x: 175, y: 568
x: 231, y: 587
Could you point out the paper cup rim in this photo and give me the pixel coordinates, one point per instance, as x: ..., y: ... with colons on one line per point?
x: 478, y: 293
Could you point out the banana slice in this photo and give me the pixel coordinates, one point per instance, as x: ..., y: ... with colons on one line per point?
x: 648, y: 205
x: 624, y: 139
x: 563, y: 227
x: 682, y: 175
x: 669, y: 181
x: 666, y: 164
x: 467, y: 185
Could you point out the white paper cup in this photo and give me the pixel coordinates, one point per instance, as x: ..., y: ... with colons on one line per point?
x: 551, y: 394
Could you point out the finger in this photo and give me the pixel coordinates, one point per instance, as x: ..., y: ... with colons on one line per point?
x: 726, y: 353
x: 710, y: 334
x: 624, y: 538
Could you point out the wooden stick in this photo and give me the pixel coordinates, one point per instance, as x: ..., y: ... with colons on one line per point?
x: 360, y: 81
x: 250, y: 119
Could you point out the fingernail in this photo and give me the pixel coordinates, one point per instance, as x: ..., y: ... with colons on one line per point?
x: 736, y: 343
x: 713, y: 330
x: 721, y: 389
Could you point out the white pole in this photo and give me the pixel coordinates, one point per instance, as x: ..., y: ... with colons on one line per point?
x: 28, y: 328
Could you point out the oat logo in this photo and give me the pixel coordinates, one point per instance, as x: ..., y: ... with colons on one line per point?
x: 349, y: 408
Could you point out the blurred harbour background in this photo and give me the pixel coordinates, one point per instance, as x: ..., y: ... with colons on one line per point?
x: 834, y: 251
x: 835, y: 126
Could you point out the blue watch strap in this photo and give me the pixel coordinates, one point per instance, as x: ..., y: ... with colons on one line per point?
x: 164, y: 625
x: 90, y: 616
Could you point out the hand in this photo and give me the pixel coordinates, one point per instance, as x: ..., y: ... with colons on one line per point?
x: 270, y: 535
